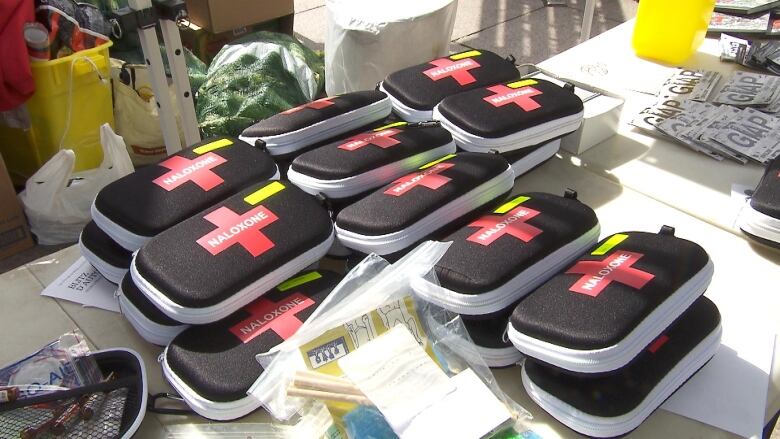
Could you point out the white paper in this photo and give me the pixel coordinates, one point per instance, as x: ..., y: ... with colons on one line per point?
x: 730, y: 391
x: 397, y: 375
x: 82, y: 283
x: 471, y: 411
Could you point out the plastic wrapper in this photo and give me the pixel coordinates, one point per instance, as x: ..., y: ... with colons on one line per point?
x: 256, y: 77
x: 372, y: 299
x: 368, y: 40
x: 62, y: 364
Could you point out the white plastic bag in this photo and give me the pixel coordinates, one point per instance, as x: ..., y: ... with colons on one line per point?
x: 136, y: 115
x: 376, y: 285
x: 367, y: 39
x: 57, y: 201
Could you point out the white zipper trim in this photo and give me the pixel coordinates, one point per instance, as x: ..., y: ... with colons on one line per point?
x: 393, y: 242
x: 199, y: 316
x: 150, y: 331
x: 759, y: 224
x: 292, y: 141
x: 127, y: 239
x: 522, y: 139
x: 406, y: 112
x: 499, y: 357
x: 218, y: 411
x: 618, y: 355
x: 346, y: 187
x: 610, y: 427
x: 528, y: 162
x: 512, y: 291
x: 112, y: 273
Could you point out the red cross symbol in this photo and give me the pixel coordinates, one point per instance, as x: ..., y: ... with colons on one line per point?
x: 429, y: 178
x: 266, y: 315
x: 244, y: 230
x: 520, y: 96
x: 513, y: 223
x: 197, y: 170
x: 457, y: 70
x: 599, y: 274
x: 315, y: 105
x: 382, y: 139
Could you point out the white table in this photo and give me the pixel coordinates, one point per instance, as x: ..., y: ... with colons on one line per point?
x: 687, y: 191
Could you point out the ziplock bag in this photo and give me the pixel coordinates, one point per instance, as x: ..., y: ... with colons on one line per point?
x: 305, y: 125
x: 414, y: 91
x: 500, y: 257
x: 109, y: 258
x: 57, y: 200
x: 601, y: 312
x: 412, y: 207
x: 111, y: 408
x: 372, y: 299
x: 357, y: 164
x: 760, y: 218
x: 213, y: 366
x: 614, y: 404
x: 210, y: 265
x: 137, y: 207
x: 510, y: 116
x: 147, y: 320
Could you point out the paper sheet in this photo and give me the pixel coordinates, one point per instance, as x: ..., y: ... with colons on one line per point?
x: 397, y: 375
x: 471, y: 411
x: 82, y: 283
x: 730, y: 391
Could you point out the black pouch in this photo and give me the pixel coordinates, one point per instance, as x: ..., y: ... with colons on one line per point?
x: 415, y: 90
x: 613, y: 405
x: 760, y: 219
x: 147, y: 320
x: 140, y: 205
x: 491, y: 340
x: 604, y: 309
x: 297, y: 128
x: 416, y: 205
x: 109, y: 258
x: 510, y: 116
x: 111, y: 409
x: 500, y: 257
x: 355, y: 165
x: 209, y: 266
x: 213, y: 366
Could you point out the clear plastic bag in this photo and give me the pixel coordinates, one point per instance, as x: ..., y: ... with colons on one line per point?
x: 373, y: 298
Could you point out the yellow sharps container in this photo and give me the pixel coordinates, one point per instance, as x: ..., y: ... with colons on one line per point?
x: 670, y: 31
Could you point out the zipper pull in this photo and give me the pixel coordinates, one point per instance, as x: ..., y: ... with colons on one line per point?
x: 425, y: 124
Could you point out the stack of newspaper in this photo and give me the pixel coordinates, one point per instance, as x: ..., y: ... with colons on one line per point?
x: 739, y: 124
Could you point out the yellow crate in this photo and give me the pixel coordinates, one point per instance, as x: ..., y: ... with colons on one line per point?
x: 67, y: 87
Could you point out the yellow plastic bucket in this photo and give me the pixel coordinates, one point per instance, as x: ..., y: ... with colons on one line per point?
x: 72, y: 99
x: 670, y: 31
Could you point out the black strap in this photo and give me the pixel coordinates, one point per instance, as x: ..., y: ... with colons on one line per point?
x: 151, y: 404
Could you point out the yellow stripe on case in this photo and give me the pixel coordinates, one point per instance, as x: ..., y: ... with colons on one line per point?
x: 264, y: 192
x: 523, y: 83
x: 468, y: 54
x: 511, y: 204
x: 435, y: 162
x: 609, y: 244
x: 300, y: 280
x: 211, y: 146
x: 391, y: 125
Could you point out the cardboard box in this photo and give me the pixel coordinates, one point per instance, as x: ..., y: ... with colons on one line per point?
x: 14, y: 234
x: 218, y: 16
x: 205, y: 45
